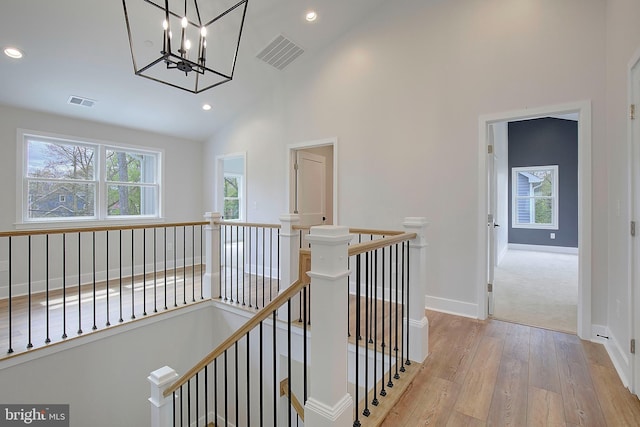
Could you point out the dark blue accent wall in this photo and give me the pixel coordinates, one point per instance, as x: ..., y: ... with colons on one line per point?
x: 542, y: 142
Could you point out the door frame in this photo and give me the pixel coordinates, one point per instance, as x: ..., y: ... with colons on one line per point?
x: 583, y: 108
x: 291, y: 150
x: 634, y: 207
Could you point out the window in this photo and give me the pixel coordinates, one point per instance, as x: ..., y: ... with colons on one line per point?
x: 535, y: 197
x: 63, y: 179
x: 232, y: 196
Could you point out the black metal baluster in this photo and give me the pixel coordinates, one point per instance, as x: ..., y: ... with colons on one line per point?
x: 383, y: 392
x: 64, y: 285
x: 144, y: 271
x: 197, y: 397
x: 48, y: 338
x: 261, y: 383
x: 221, y: 259
x: 155, y: 269
x: 408, y: 362
x: 249, y: 264
x: 181, y: 409
x: 215, y: 391
x: 206, y: 395
x: 9, y: 268
x: 79, y: 287
x: 228, y: 289
x: 175, y: 265
x: 270, y: 264
x: 366, y: 411
x: 133, y: 276
x: 120, y: 293
x: 93, y: 255
x: 237, y: 261
x: 29, y: 343
x: 108, y: 323
x: 165, y: 268
x: 257, y: 260
x: 278, y: 260
x: 174, y: 408
x: 226, y: 404
x: 304, y: 351
x: 237, y: 392
x: 289, y: 360
x: 395, y: 349
x: 188, y: 402
x: 356, y: 422
x: 402, y: 341
x: 243, y: 263
x: 249, y: 378
x: 275, y: 378
x: 375, y: 402
x: 201, y: 264
x: 390, y: 383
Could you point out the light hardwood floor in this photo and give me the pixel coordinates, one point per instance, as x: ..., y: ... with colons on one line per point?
x: 494, y: 373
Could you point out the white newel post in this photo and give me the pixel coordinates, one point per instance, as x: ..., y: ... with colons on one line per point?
x: 329, y: 403
x: 418, y: 322
x: 161, y: 407
x: 289, y: 256
x: 212, y: 256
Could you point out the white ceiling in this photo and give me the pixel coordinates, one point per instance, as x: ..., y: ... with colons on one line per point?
x: 80, y: 48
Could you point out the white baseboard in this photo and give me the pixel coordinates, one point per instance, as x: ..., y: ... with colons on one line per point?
x: 449, y: 306
x: 542, y: 248
x: 617, y: 353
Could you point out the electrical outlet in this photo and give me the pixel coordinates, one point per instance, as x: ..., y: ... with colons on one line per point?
x: 552, y: 236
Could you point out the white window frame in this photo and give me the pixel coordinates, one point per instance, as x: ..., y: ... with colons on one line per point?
x: 240, y: 197
x: 100, y: 208
x: 554, y: 197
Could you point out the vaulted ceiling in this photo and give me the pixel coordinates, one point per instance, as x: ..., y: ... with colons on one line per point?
x: 80, y: 48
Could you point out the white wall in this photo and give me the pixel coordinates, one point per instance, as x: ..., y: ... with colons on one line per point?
x: 105, y: 381
x: 403, y: 93
x: 623, y: 40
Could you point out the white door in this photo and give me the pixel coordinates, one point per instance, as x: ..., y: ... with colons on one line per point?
x: 491, y: 217
x: 310, y: 188
x: 635, y: 137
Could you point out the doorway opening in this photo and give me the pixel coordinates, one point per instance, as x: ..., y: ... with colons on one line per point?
x: 534, y: 180
x: 312, y: 181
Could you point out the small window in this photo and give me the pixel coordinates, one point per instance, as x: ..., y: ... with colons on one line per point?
x: 65, y: 179
x: 535, y: 197
x: 232, y: 196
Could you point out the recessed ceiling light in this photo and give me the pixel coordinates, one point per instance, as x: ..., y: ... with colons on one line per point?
x: 311, y: 16
x: 206, y: 107
x: 13, y: 52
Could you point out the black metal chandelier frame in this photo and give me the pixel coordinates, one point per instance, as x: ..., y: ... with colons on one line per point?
x: 179, y: 60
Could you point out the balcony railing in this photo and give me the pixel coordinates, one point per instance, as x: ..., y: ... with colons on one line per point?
x: 369, y: 331
x: 58, y: 284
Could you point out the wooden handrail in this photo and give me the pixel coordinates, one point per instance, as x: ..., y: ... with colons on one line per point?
x: 357, y: 230
x: 372, y: 245
x: 90, y: 229
x: 262, y: 314
x: 247, y: 224
x: 284, y: 389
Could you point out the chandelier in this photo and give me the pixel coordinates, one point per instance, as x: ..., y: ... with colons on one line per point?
x: 188, y: 44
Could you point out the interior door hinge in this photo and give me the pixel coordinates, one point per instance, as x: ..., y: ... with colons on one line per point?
x: 633, y: 346
x: 490, y: 149
x: 633, y: 228
x: 490, y: 287
x: 632, y: 111
x: 295, y: 166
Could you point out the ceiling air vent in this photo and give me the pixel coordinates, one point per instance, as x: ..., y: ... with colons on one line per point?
x: 77, y: 100
x: 280, y: 52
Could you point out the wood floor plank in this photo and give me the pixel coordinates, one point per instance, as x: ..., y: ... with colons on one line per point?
x: 509, y: 401
x: 581, y: 405
x: 516, y: 343
x: 619, y: 406
x: 458, y: 419
x: 543, y: 366
x: 596, y: 354
x: 436, y: 403
x: 544, y: 408
x: 477, y: 391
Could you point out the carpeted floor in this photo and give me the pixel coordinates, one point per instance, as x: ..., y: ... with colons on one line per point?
x: 537, y: 289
